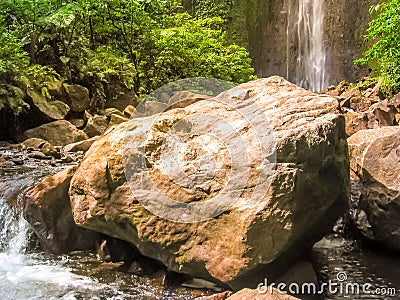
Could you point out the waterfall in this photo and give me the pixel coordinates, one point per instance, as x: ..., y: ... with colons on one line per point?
x: 305, y: 44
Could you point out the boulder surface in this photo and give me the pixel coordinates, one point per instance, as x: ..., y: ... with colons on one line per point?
x: 274, y: 214
x: 375, y: 166
x: 57, y: 133
x: 48, y: 210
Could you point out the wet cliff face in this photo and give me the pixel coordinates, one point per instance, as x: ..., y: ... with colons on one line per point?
x: 262, y: 25
x: 345, y: 25
x: 345, y: 22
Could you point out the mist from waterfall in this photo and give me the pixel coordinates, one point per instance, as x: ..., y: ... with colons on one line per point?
x: 305, y: 33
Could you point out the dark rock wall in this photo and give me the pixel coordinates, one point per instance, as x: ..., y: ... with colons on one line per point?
x: 345, y: 23
x: 261, y: 25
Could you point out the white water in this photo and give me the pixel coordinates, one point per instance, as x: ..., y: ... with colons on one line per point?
x: 36, y: 275
x: 31, y: 275
x: 305, y: 28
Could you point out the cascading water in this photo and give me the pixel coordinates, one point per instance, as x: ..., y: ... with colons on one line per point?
x: 305, y: 34
x: 32, y: 274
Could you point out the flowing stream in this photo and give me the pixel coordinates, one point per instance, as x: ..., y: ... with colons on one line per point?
x: 32, y: 274
x: 305, y: 33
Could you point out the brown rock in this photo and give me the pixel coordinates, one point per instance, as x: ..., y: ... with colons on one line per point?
x: 397, y: 116
x: 384, y: 113
x: 57, y: 133
x: 109, y: 111
x: 219, y: 296
x: 96, y: 125
x: 80, y: 146
x: 375, y: 160
x: 117, y: 119
x: 48, y: 210
x: 240, y: 245
x: 38, y: 155
x: 149, y: 108
x: 128, y: 111
x: 355, y: 122
x: 122, y: 100
x: 55, y: 110
x: 55, y: 88
x: 41, y: 145
x: 77, y: 97
x: 272, y: 294
x: 356, y: 99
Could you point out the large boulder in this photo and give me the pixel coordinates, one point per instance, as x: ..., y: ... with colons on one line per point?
x: 48, y: 210
x: 375, y: 166
x: 53, y: 110
x: 274, y: 215
x: 57, y: 133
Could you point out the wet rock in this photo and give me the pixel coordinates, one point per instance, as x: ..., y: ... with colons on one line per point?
x: 82, y: 146
x: 96, y: 125
x: 41, y: 145
x: 375, y: 165
x: 38, y: 155
x: 57, y: 133
x: 66, y: 158
x: 242, y: 243
x: 77, y: 97
x: 48, y: 211
x: 18, y: 161
x: 54, y: 110
x: 198, y: 283
x: 143, y: 266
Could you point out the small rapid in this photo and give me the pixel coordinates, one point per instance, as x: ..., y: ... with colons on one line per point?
x: 28, y: 273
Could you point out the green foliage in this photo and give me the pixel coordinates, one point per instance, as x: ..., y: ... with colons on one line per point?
x: 12, y: 58
x: 198, y: 48
x: 112, y: 46
x: 12, y: 97
x: 383, y: 57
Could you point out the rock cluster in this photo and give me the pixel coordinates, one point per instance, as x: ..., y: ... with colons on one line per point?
x: 251, y: 238
x: 372, y: 124
x: 307, y: 190
x: 364, y: 107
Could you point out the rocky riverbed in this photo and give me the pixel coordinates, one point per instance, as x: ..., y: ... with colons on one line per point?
x: 89, y: 205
